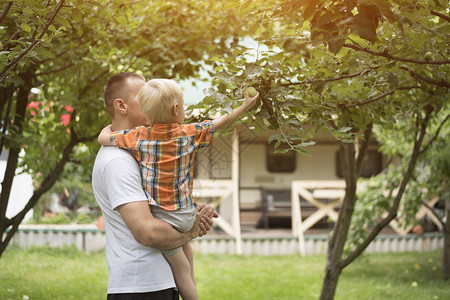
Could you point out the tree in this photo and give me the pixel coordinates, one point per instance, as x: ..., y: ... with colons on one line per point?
x: 59, y: 55
x: 430, y: 181
x: 344, y: 67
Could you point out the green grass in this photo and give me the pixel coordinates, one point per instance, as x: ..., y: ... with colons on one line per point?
x: 52, y: 274
x: 46, y: 274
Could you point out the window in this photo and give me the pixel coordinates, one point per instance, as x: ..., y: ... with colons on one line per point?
x: 279, y: 162
x: 371, y: 166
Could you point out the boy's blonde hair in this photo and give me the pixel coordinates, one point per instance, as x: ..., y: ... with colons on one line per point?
x: 156, y: 99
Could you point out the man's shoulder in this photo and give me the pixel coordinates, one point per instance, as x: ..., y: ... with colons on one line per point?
x: 108, y: 154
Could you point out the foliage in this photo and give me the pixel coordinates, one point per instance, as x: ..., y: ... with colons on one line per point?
x: 431, y: 177
x: 57, y: 56
x: 305, y: 88
x: 345, y: 67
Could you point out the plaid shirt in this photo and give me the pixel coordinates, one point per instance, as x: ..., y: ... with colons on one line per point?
x: 165, y: 153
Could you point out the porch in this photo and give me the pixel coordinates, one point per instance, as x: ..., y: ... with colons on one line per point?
x: 267, y: 196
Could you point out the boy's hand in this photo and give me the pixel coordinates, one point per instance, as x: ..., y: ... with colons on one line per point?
x: 103, y: 137
x: 226, y: 120
x: 249, y: 102
x: 204, y: 217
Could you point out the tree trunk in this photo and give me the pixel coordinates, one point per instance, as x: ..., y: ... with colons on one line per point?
x: 47, y: 183
x: 342, y: 225
x: 13, y: 156
x: 6, y: 98
x: 446, y: 254
x: 330, y: 282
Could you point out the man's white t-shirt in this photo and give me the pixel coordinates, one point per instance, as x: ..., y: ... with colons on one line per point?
x: 133, y: 267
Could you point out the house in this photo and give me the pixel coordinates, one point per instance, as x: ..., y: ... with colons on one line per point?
x: 254, y: 187
x: 21, y: 190
x: 261, y: 170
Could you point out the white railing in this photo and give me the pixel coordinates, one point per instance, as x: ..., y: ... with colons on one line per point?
x: 314, y: 191
x: 88, y: 240
x: 220, y: 191
x: 327, y: 196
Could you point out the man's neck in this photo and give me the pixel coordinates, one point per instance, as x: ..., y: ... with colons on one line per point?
x: 120, y: 125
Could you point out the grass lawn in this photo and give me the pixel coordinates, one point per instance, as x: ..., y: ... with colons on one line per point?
x: 42, y: 273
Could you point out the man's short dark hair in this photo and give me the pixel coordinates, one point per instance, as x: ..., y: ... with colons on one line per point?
x: 116, y: 88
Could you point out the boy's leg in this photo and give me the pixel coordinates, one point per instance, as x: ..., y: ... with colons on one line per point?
x: 187, y: 249
x: 181, y: 269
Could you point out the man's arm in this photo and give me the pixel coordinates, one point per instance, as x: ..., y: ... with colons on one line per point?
x: 158, y: 234
x: 103, y: 137
x: 226, y: 120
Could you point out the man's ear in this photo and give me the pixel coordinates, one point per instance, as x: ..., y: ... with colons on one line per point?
x: 120, y: 106
x: 175, y: 109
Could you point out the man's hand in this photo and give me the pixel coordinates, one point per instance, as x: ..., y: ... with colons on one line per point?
x: 203, y: 220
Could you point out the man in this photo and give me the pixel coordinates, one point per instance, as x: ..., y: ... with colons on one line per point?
x: 136, y: 269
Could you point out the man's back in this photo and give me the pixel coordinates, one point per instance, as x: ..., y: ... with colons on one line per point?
x: 133, y: 267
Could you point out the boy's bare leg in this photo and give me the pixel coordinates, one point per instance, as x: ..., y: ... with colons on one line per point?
x: 187, y: 249
x: 182, y: 272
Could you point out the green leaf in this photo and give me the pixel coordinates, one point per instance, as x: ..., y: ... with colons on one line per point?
x: 77, y: 15
x: 273, y: 137
x: 336, y: 44
x: 393, y: 79
x: 25, y: 27
x: 44, y: 52
x: 310, y: 8
x: 281, y: 150
x: 348, y: 141
x: 305, y: 144
x: 64, y: 22
x: 344, y: 129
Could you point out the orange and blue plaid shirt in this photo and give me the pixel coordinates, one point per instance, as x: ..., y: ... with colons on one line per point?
x: 165, y: 153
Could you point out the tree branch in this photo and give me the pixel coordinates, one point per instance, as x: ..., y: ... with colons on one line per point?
x: 380, y: 96
x: 11, y: 38
x: 5, y: 10
x: 435, y: 13
x: 329, y: 79
x: 363, y: 148
x: 441, y: 83
x: 62, y: 52
x: 129, y: 3
x: 47, y: 183
x: 385, y: 54
x: 4, y: 73
x: 435, y: 135
x: 55, y: 70
x: 267, y: 104
x: 5, y: 124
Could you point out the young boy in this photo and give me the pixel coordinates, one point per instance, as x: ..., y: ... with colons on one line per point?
x: 165, y: 152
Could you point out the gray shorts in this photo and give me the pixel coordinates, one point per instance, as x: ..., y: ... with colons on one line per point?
x: 182, y: 220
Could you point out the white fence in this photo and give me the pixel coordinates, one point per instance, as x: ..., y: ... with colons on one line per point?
x: 90, y: 239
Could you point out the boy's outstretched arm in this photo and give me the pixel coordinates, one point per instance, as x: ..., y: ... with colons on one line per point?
x: 226, y: 120
x: 103, y: 137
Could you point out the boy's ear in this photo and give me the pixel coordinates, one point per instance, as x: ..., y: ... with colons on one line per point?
x: 120, y: 106
x: 175, y: 109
